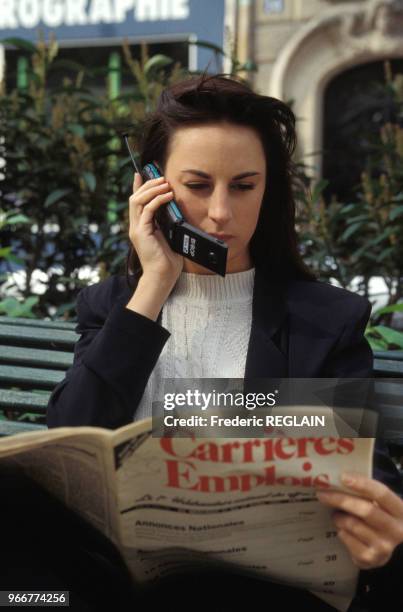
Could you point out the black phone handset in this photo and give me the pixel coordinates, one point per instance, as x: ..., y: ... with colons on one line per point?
x: 183, y: 238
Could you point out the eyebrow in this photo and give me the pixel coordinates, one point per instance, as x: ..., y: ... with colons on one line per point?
x: 234, y: 178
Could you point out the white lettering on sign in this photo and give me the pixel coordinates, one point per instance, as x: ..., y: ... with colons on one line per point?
x: 29, y: 13
x: 147, y: 10
x: 101, y: 11
x: 121, y: 8
x: 181, y: 9
x: 75, y: 12
x: 55, y: 13
x: 152, y: 10
x: 7, y: 14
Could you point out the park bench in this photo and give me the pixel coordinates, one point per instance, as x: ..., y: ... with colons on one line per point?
x: 35, y: 354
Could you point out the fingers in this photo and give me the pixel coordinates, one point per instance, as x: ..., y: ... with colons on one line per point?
x: 148, y: 211
x: 369, y: 500
x: 370, y: 523
x: 362, y: 555
x: 355, y: 527
x: 139, y: 185
x: 358, y: 506
x: 375, y: 491
x: 144, y: 193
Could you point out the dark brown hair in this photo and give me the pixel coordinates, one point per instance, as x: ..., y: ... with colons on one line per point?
x: 211, y: 99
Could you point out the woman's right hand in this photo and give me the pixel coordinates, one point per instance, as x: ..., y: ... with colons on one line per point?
x: 160, y: 263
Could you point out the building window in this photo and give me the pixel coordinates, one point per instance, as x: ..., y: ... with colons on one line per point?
x: 273, y: 7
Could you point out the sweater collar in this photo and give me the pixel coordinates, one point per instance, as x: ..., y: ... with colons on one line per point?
x: 235, y: 287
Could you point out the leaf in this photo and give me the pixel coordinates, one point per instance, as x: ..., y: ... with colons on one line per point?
x: 10, y: 307
x: 350, y: 231
x: 385, y: 254
x: 157, y: 61
x: 357, y: 218
x: 396, y: 212
x: 206, y: 45
x: 14, y: 259
x: 20, y: 43
x: 17, y: 219
x: 391, y: 336
x: 249, y: 66
x: 55, y: 196
x: 387, y: 309
x: 14, y: 308
x: 90, y: 180
x: 319, y: 187
x: 66, y: 64
x: 346, y: 209
x: 377, y: 345
x: 61, y: 310
x: 359, y: 253
x: 76, y: 128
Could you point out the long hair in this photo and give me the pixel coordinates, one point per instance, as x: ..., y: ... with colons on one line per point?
x: 212, y: 99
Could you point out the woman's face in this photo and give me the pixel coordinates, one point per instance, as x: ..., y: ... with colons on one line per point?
x: 218, y: 175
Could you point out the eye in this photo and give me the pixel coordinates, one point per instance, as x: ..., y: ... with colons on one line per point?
x: 236, y: 186
x: 196, y: 185
x: 242, y: 186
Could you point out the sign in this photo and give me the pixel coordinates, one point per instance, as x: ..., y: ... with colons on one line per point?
x: 100, y: 19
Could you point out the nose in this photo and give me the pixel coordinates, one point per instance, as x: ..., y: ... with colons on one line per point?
x: 220, y: 207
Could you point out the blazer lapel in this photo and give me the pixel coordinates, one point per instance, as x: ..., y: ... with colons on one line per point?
x: 265, y: 359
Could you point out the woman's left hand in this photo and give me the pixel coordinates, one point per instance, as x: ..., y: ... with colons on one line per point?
x: 370, y: 525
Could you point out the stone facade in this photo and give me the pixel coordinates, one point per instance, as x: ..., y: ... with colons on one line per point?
x: 300, y: 45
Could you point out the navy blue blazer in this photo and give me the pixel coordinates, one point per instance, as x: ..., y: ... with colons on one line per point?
x: 300, y: 329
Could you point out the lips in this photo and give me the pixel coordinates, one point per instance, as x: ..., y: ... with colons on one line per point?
x: 224, y: 237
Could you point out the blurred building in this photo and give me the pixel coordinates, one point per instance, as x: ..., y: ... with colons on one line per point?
x: 326, y: 56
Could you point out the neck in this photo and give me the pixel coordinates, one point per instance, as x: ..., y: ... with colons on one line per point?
x: 234, y: 264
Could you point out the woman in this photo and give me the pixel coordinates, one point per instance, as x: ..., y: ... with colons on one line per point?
x: 226, y: 157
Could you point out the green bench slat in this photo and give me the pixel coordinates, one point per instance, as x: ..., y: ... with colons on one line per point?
x: 24, y: 335
x: 388, y: 367
x: 24, y: 401
x: 398, y: 355
x: 9, y: 428
x: 57, y: 324
x: 37, y: 377
x: 47, y: 346
x: 35, y: 357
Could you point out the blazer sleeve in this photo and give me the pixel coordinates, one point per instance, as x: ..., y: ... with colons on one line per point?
x: 113, y: 360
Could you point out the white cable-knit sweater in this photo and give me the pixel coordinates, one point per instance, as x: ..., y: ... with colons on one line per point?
x: 209, y: 318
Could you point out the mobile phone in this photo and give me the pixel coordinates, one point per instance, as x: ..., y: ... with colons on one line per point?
x: 183, y: 238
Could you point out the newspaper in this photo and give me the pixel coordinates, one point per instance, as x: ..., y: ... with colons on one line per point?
x: 175, y: 503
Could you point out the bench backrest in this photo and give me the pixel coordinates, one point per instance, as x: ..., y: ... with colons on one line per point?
x: 35, y: 354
